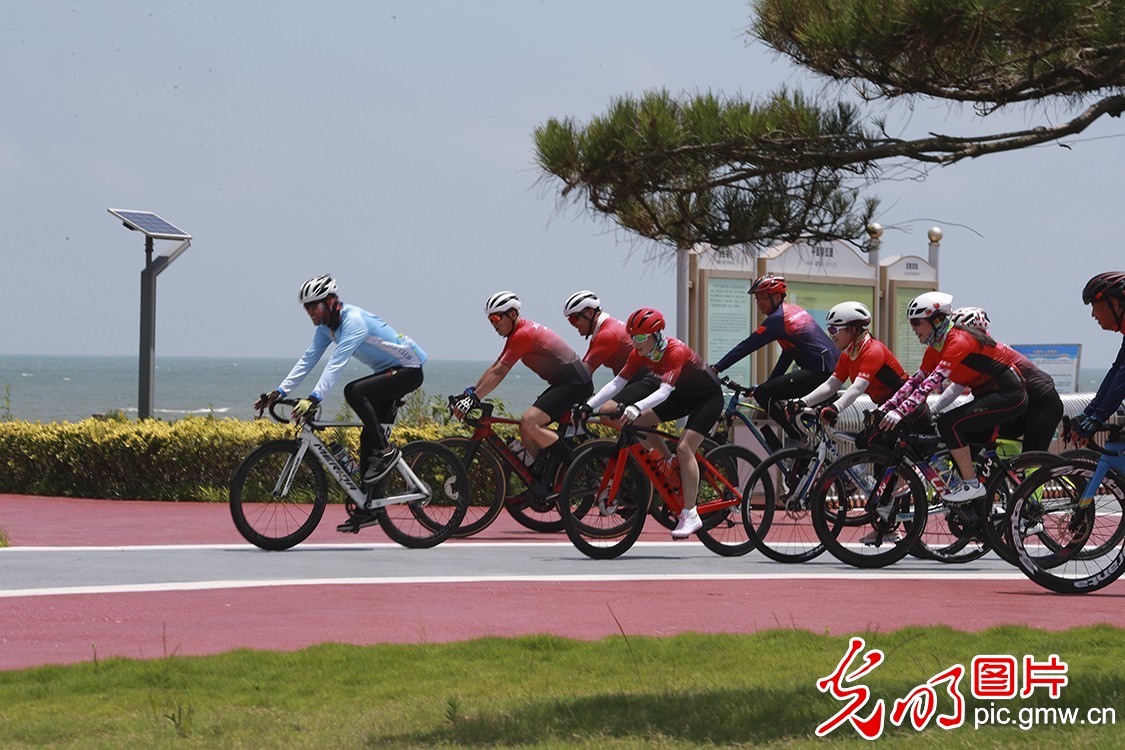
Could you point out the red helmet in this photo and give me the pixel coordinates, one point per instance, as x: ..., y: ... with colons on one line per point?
x: 1108, y: 284
x: 769, y: 284
x: 644, y: 321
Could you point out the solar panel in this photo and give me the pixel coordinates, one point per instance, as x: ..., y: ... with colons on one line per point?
x: 151, y: 224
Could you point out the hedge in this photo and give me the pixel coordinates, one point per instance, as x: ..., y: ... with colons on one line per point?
x: 189, y: 459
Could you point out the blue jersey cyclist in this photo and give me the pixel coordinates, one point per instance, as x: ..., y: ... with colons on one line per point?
x: 802, y: 342
x: 1105, y: 294
x: 395, y: 359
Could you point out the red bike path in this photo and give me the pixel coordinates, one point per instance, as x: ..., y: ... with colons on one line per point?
x: 70, y: 628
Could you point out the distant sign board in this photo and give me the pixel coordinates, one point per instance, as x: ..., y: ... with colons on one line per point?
x: 1060, y: 361
x: 728, y: 314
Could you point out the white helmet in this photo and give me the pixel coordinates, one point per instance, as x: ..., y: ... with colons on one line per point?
x: 501, y: 302
x: 971, y: 317
x: 316, y: 289
x: 848, y: 312
x: 579, y: 301
x: 926, y: 306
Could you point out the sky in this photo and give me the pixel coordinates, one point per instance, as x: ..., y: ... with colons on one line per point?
x: 390, y: 144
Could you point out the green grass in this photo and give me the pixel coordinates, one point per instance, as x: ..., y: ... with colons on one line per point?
x: 3, y: 537
x: 540, y: 692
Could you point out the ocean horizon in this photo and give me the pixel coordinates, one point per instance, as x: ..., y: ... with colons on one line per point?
x: 69, y: 388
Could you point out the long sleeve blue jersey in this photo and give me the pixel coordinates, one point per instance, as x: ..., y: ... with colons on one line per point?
x: 361, y: 334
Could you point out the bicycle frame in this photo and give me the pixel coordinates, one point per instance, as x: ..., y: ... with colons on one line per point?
x: 308, y: 439
x: 483, y: 433
x: 733, y: 410
x: 629, y: 445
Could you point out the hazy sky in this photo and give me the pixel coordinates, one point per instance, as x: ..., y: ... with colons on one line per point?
x: 389, y: 143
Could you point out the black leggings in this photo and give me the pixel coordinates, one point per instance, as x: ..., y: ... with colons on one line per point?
x: 1037, y: 425
x: 375, y: 401
x: 979, y: 416
x: 775, y: 392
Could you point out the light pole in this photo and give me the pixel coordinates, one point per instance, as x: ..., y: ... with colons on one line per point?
x: 153, y: 227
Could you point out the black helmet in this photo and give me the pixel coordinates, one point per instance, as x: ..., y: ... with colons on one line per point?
x: 1108, y: 284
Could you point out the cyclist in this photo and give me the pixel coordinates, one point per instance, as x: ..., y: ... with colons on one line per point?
x: 395, y: 359
x: 1105, y: 294
x: 968, y: 359
x: 687, y: 387
x: 1044, y: 405
x: 802, y: 342
x: 548, y: 356
x: 610, y: 345
x: 864, y: 360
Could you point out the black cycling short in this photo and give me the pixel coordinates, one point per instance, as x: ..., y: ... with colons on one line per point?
x: 702, y: 410
x: 560, y: 399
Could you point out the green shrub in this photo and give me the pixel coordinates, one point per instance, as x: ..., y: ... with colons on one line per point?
x: 189, y: 459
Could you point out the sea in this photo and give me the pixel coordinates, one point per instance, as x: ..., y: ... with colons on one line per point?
x: 50, y: 388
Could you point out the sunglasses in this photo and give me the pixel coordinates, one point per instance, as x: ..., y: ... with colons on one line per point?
x: 496, y: 317
x: 833, y: 330
x: 574, y: 318
x: 640, y: 338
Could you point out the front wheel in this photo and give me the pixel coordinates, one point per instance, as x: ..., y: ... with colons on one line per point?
x: 778, y: 516
x: 276, y: 501
x: 888, y: 496
x: 431, y: 520
x: 723, y: 487
x: 602, y: 516
x: 1061, y: 544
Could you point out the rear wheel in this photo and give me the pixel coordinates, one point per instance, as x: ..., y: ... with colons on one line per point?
x: 603, y: 518
x: 723, y: 531
x: 487, y: 484
x: 275, y: 501
x: 431, y: 520
x: 878, y: 517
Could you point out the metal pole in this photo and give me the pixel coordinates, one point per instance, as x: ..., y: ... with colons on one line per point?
x: 683, y: 280
x: 148, y: 335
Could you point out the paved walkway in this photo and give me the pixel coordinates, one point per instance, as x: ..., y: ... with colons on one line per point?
x: 68, y: 628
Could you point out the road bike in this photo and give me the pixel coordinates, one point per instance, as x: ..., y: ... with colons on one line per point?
x: 607, y: 490
x: 881, y: 517
x: 1067, y: 523
x: 279, y: 492
x: 499, y: 479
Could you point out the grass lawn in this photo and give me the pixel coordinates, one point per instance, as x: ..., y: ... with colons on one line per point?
x: 546, y: 692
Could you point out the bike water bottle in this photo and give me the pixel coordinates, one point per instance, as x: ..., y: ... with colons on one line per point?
x: 340, y: 451
x: 515, y: 446
x: 943, y: 465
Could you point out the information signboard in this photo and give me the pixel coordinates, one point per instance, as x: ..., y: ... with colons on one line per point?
x: 1060, y: 361
x: 728, y: 311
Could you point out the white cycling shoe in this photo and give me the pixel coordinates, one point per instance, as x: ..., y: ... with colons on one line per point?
x: 688, y: 525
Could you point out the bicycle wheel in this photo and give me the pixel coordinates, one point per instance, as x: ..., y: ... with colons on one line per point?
x: 891, y: 519
x: 276, y: 505
x: 953, y: 534
x: 998, y: 501
x: 487, y: 484
x: 601, y: 519
x: 778, y: 516
x: 430, y: 521
x: 723, y: 531
x: 1061, y: 545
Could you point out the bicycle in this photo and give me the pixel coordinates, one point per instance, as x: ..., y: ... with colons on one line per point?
x: 1067, y: 524
x: 279, y: 492
x: 492, y: 465
x: 778, y: 517
x: 606, y: 494
x: 899, y: 492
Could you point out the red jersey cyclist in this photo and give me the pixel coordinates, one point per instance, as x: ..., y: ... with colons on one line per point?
x: 1038, y: 423
x: 548, y: 356
x: 610, y: 345
x: 864, y: 360
x: 688, y: 388
x: 968, y: 359
x: 1105, y: 294
x: 802, y: 343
